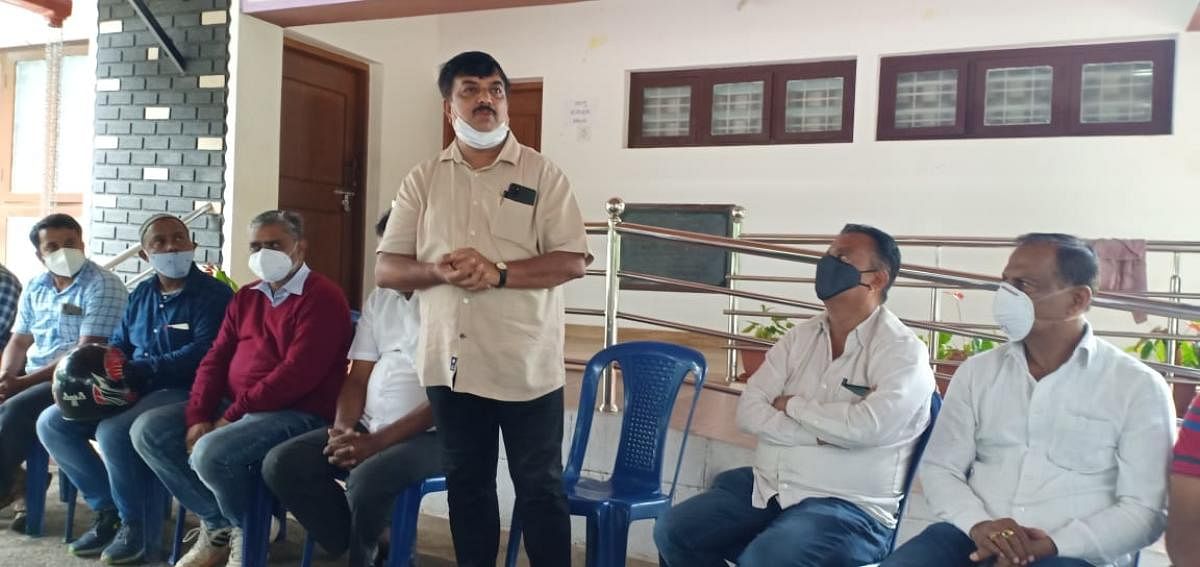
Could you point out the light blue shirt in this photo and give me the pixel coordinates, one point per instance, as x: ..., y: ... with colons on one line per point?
x: 294, y: 286
x: 92, y: 306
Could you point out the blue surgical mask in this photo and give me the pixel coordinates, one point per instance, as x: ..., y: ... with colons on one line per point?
x: 174, y: 265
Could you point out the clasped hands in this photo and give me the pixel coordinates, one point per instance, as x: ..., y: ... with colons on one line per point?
x: 1009, y: 543
x: 347, y: 447
x: 468, y: 269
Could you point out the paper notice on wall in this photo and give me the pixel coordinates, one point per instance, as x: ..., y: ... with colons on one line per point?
x: 579, y: 118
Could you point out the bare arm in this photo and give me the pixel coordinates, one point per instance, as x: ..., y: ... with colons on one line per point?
x: 353, y: 396
x: 14, y: 384
x: 13, y: 363
x: 1183, y: 522
x: 545, y: 271
x: 404, y: 273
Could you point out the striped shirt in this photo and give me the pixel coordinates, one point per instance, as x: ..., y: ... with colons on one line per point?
x: 1187, y: 449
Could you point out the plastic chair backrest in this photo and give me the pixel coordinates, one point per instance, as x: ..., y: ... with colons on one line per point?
x: 652, y: 374
x: 910, y: 475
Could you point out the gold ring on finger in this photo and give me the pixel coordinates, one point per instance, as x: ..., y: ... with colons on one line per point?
x: 1007, y: 534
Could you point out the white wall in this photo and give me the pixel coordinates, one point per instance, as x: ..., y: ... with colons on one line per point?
x: 1099, y: 186
x: 252, y: 139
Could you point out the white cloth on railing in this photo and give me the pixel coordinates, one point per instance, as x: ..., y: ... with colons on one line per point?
x: 1122, y: 267
x: 1081, y: 453
x: 832, y: 442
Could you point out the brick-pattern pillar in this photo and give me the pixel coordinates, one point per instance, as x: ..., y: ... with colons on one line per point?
x: 160, y: 134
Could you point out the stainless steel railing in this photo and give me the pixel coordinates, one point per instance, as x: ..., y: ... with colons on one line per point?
x: 934, y: 278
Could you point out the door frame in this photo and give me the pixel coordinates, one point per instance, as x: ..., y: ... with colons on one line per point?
x: 362, y: 73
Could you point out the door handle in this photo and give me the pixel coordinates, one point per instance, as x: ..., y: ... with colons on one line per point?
x: 346, y: 195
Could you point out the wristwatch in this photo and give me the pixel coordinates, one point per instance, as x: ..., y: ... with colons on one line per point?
x: 503, y: 268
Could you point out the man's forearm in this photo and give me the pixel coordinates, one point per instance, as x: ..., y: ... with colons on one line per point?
x: 404, y: 273
x: 545, y: 271
x: 353, y: 395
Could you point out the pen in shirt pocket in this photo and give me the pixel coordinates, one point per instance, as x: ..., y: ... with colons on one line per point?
x: 860, y: 391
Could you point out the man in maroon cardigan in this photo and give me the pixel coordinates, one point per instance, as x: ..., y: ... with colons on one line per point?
x: 273, y: 373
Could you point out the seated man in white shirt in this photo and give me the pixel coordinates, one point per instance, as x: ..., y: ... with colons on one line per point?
x: 381, y: 440
x: 1053, y: 449
x: 837, y: 407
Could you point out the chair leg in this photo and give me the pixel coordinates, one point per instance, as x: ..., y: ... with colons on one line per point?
x: 307, y: 556
x: 404, y: 527
x: 177, y: 539
x: 154, y: 515
x: 614, y: 539
x: 37, y: 466
x: 514, y: 541
x: 594, y: 534
x: 256, y: 527
x: 68, y: 493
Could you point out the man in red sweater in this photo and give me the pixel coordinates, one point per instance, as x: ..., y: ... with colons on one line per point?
x: 273, y: 373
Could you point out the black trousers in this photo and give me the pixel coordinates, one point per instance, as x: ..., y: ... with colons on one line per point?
x: 18, y: 429
x: 533, y: 431
x: 300, y: 475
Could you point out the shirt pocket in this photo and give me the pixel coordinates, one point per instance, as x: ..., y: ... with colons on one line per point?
x: 1083, y: 444
x: 178, y: 338
x: 68, y: 327
x: 514, y: 222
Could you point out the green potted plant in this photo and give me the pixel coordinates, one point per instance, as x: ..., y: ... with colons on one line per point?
x: 753, y: 356
x: 219, y: 275
x: 1187, y: 354
x: 947, y: 350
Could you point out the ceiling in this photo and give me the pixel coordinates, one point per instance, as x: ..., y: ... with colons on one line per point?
x: 287, y: 13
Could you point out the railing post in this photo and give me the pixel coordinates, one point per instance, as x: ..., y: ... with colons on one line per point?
x: 1183, y: 393
x: 731, y: 354
x: 935, y: 309
x: 612, y: 287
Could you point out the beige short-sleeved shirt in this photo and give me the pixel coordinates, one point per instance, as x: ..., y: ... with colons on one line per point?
x: 504, y: 344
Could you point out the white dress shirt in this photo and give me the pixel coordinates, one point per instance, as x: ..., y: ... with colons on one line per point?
x: 832, y: 442
x: 387, y: 334
x: 1082, y: 453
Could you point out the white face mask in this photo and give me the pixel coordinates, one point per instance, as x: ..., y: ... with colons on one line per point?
x: 479, y: 140
x: 65, y: 262
x: 1013, y: 310
x: 270, y: 266
x: 174, y: 265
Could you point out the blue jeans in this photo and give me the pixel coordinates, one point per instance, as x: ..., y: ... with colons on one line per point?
x: 721, y: 524
x: 118, y: 481
x: 217, y: 481
x: 944, y: 545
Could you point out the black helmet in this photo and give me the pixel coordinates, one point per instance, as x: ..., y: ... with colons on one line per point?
x: 85, y: 391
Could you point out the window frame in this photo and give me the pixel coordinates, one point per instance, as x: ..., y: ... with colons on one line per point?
x: 1066, y: 99
x: 25, y: 204
x: 774, y: 77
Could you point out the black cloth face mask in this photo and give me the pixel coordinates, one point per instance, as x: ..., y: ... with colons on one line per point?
x: 835, y: 276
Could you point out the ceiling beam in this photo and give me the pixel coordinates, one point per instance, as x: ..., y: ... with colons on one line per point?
x: 55, y: 11
x: 288, y: 13
x: 1195, y: 24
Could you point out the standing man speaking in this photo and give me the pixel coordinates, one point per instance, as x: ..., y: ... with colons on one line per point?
x: 485, y: 234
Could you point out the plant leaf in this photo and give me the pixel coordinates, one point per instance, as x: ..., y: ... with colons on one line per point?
x: 1160, y: 350
x: 1187, y: 355
x: 1147, y: 348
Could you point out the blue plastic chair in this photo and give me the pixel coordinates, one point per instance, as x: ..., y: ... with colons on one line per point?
x: 652, y: 374
x: 935, y: 407
x: 256, y: 527
x: 405, y: 516
x: 37, y: 466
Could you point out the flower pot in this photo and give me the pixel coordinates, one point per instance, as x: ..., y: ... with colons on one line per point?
x: 751, y: 360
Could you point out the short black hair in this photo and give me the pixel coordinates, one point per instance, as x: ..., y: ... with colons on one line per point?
x: 886, y: 250
x: 468, y: 64
x: 1076, y: 261
x: 381, y: 226
x: 56, y: 220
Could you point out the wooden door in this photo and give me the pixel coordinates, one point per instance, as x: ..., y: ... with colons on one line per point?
x: 322, y: 148
x: 524, y: 115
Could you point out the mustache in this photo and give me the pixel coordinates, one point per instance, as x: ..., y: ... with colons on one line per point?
x: 484, y: 107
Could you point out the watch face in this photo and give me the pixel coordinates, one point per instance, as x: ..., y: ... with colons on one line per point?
x: 501, y: 266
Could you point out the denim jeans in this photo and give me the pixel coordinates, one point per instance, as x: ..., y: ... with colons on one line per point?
x: 944, y: 545
x: 721, y: 524
x: 352, y: 518
x: 120, y: 479
x: 217, y: 480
